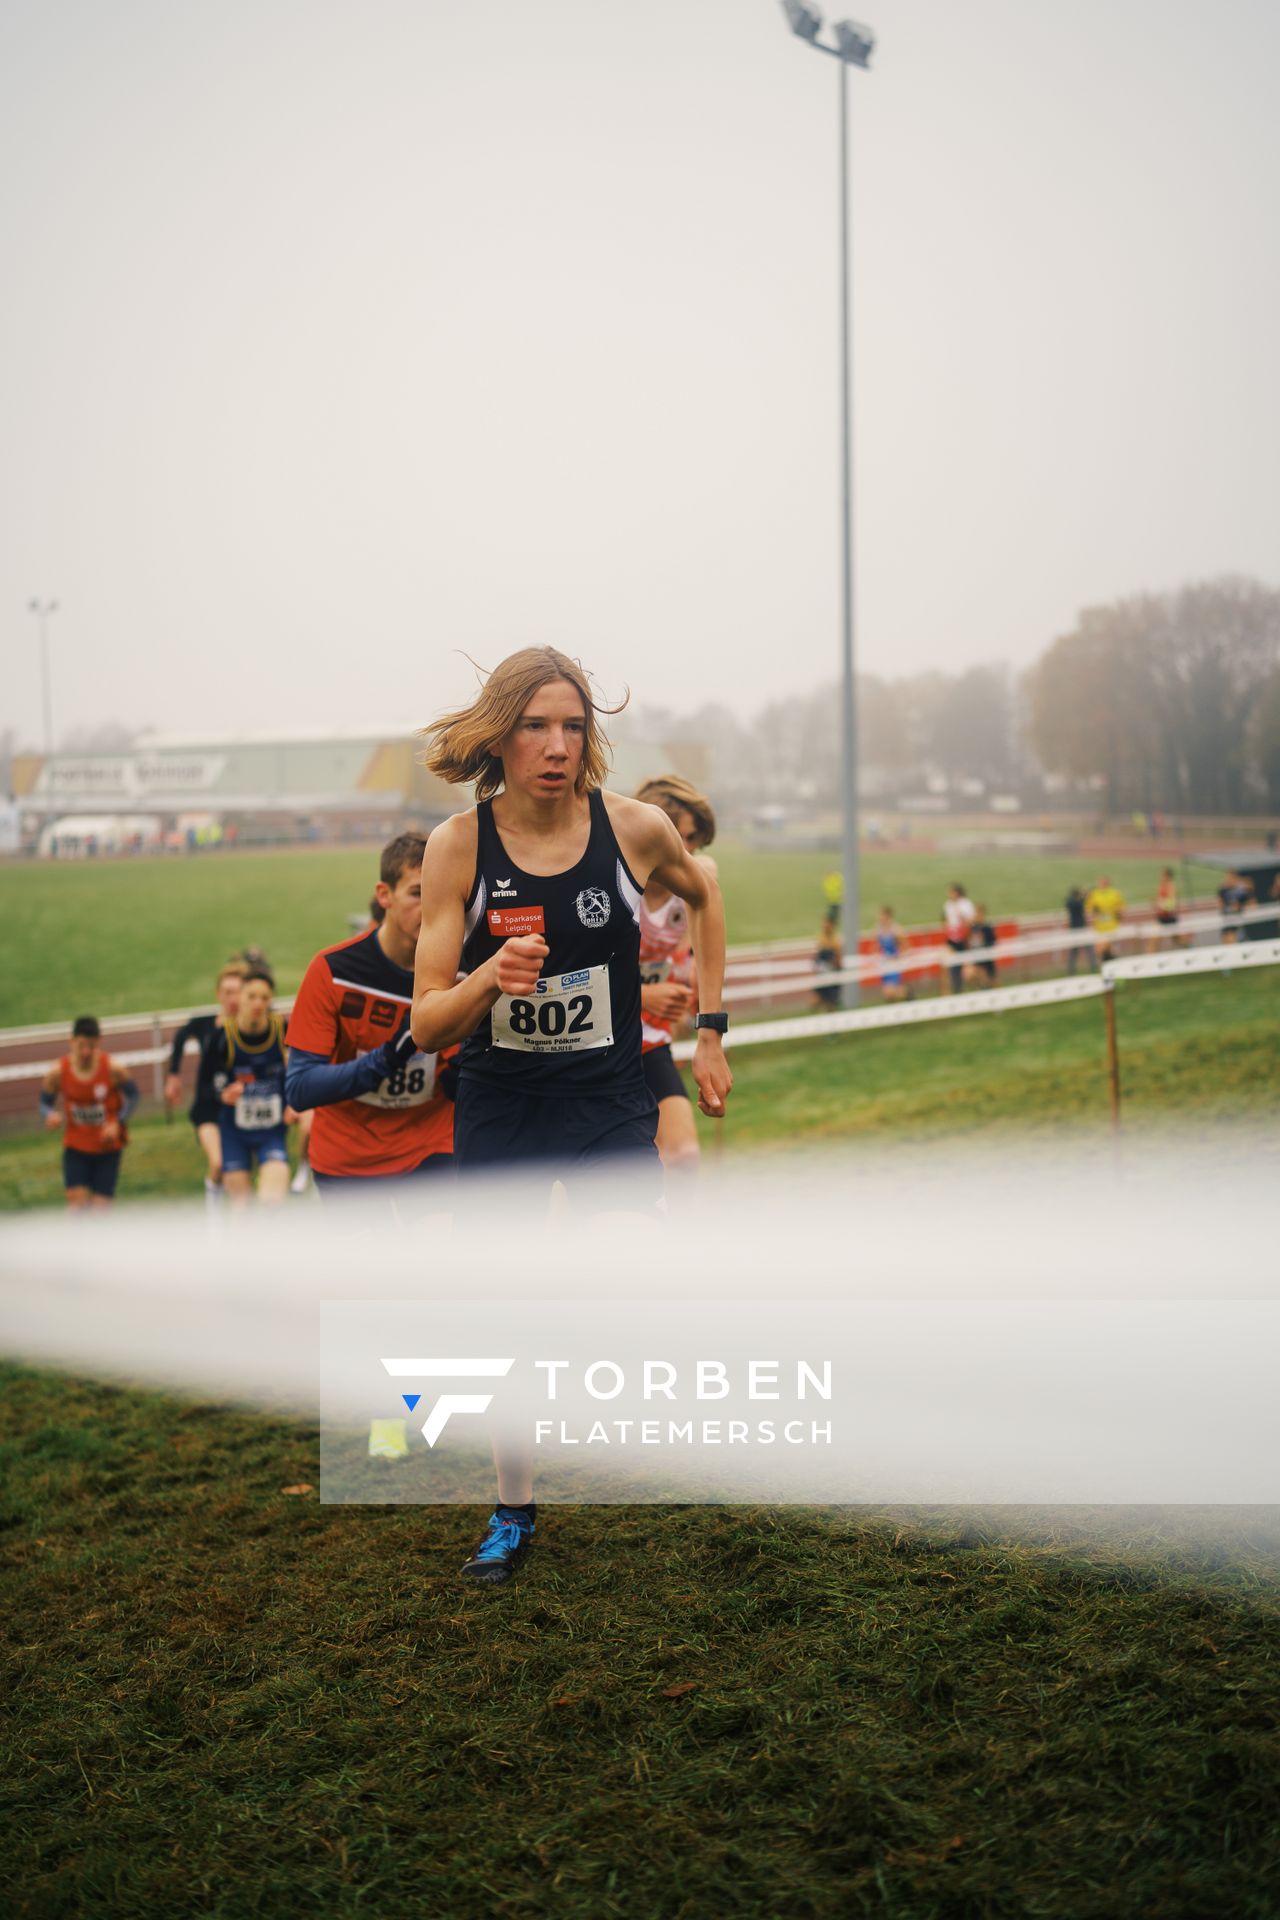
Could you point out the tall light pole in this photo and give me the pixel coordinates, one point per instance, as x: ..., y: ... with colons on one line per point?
x: 852, y: 48
x: 44, y: 611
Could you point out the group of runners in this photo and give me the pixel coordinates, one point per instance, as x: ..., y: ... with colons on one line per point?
x: 509, y: 1010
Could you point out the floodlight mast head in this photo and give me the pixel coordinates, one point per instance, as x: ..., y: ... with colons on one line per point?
x: 854, y: 42
x: 803, y: 20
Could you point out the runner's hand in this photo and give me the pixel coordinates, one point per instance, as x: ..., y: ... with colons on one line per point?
x: 711, y: 1072
x: 667, y: 999
x: 518, y: 963
x: 395, y: 1053
x: 53, y: 1123
x: 172, y: 1090
x: 111, y: 1132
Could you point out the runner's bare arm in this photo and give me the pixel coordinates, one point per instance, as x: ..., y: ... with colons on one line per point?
x: 49, y: 1100
x: 654, y: 851
x: 446, y: 1009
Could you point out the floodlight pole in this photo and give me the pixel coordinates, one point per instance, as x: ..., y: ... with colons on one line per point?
x: 853, y: 46
x: 43, y: 610
x: 849, y: 693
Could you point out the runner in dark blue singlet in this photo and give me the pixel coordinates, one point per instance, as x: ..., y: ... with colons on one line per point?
x: 554, y: 1076
x: 253, y: 1118
x: 533, y: 898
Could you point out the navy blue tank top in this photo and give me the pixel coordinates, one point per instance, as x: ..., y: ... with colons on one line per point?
x: 259, y: 1062
x: 579, y: 1031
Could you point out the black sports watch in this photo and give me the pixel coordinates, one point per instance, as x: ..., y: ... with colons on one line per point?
x: 716, y: 1022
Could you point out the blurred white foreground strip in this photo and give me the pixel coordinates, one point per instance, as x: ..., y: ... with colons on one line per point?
x: 1037, y: 1330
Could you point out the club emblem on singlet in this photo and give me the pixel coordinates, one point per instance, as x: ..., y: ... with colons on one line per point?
x: 593, y: 906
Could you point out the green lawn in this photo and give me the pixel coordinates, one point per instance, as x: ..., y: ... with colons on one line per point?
x: 229, y: 1701
x: 120, y: 937
x: 127, y: 936
x: 1197, y: 1050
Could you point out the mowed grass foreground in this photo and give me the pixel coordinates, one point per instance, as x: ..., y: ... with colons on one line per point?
x: 1196, y: 1050
x: 126, y: 936
x: 227, y: 1700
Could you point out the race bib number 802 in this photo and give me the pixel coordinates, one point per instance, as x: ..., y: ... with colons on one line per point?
x: 565, y: 1013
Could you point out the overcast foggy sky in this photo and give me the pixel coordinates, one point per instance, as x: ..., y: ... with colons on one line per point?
x: 337, y: 337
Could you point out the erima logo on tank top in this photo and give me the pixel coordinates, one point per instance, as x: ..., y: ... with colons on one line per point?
x: 594, y: 907
x: 503, y: 889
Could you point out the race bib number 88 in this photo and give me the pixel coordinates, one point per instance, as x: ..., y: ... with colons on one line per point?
x: 565, y: 1013
x: 411, y: 1085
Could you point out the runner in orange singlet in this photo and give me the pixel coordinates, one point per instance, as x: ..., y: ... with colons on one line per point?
x: 97, y: 1098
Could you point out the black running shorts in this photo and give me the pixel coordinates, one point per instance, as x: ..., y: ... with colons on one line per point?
x: 662, y: 1075
x: 496, y: 1128
x: 97, y: 1171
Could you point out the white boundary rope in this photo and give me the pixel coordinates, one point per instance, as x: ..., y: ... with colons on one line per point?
x: 1040, y: 993
x: 800, y: 976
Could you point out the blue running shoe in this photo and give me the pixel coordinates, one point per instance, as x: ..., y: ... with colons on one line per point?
x: 505, y: 1543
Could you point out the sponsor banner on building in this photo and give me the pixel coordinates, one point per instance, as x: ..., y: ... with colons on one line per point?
x: 126, y: 776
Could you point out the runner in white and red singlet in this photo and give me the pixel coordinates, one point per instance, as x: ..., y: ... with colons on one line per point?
x: 668, y: 981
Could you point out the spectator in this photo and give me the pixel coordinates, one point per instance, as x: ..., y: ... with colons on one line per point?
x: 1234, y: 895
x: 1076, y: 921
x: 983, y: 934
x: 829, y: 958
x: 1166, y: 910
x: 958, y: 916
x: 1104, y: 907
x: 889, y: 940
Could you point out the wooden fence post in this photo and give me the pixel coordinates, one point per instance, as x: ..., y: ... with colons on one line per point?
x: 1113, y: 1055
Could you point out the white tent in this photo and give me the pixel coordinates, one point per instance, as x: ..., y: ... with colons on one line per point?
x: 76, y: 835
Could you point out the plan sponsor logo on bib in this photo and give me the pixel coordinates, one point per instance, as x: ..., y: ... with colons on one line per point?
x: 594, y: 907
x: 565, y: 1013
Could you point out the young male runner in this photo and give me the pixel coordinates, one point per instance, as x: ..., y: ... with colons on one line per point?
x: 383, y: 1111
x: 249, y: 1053
x: 667, y: 980
x: 535, y: 893
x: 97, y: 1099
x: 206, y: 1105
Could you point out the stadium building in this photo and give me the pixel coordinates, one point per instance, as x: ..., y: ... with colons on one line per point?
x: 191, y: 793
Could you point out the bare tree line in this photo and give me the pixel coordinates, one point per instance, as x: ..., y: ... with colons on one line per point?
x: 1165, y: 701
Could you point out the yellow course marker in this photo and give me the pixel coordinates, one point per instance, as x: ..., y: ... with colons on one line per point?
x: 388, y: 1440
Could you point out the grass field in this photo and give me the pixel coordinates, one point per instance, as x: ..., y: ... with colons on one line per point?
x: 132, y: 935
x: 227, y: 1700
x: 1198, y: 1050
x: 230, y: 1701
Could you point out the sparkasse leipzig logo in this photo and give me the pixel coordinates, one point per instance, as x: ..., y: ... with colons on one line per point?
x: 594, y: 907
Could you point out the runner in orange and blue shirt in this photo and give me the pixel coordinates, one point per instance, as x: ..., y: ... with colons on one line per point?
x: 97, y: 1098
x: 383, y: 1110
